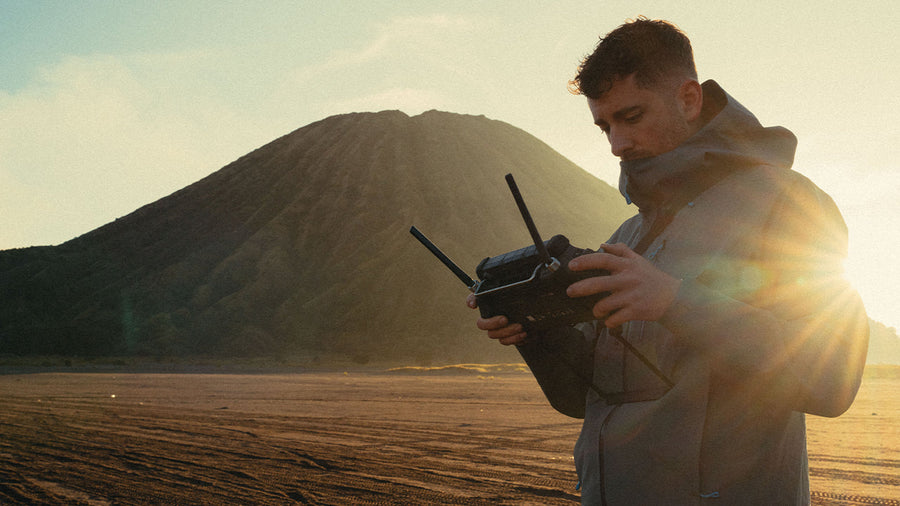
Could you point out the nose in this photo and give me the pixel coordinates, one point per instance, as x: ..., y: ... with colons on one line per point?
x: 619, y: 143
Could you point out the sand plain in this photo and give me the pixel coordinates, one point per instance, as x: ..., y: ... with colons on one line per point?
x: 355, y: 437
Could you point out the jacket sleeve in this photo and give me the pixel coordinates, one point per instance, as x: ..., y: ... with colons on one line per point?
x: 800, y: 329
x: 562, y: 361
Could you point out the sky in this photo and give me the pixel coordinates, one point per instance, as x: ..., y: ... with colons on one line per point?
x: 107, y: 105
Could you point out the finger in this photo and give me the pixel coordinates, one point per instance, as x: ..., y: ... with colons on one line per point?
x: 514, y: 340
x: 617, y: 318
x: 610, y: 306
x: 619, y: 249
x: 599, y: 261
x: 472, y: 301
x: 591, y: 286
x: 506, y: 332
x: 589, y: 261
x: 600, y: 284
x: 492, y: 323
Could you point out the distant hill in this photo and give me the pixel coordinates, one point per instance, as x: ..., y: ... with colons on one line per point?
x: 884, y: 344
x: 302, y: 247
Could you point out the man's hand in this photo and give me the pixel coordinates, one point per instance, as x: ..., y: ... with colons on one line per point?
x: 498, y: 327
x: 638, y: 290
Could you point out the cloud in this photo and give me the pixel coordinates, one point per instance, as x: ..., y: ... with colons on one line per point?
x: 98, y: 136
x: 403, y: 54
x: 396, y: 37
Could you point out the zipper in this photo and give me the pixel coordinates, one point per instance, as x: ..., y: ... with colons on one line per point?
x: 601, y: 470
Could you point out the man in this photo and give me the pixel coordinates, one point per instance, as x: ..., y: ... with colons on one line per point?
x: 728, y: 316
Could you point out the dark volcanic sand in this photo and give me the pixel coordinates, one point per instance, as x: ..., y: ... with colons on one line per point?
x: 347, y: 438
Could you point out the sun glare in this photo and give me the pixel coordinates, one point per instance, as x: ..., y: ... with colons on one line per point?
x: 870, y: 276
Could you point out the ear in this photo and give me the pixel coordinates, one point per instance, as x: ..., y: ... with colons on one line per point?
x: 690, y: 96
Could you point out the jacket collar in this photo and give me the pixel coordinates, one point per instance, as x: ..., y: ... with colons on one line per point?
x: 732, y: 139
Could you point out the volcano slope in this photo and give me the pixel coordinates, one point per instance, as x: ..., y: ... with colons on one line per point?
x: 301, y: 247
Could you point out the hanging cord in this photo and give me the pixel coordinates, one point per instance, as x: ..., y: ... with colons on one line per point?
x: 617, y: 333
x: 614, y: 398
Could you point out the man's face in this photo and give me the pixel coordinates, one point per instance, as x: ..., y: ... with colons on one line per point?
x: 640, y: 122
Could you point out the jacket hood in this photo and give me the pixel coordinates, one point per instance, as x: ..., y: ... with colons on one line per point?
x: 731, y: 139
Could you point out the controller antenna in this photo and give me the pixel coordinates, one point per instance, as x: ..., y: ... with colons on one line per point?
x: 461, y: 274
x: 529, y: 222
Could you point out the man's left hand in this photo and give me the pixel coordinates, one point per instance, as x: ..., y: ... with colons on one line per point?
x: 638, y: 289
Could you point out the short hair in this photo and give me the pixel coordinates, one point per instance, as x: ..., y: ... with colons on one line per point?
x: 651, y: 49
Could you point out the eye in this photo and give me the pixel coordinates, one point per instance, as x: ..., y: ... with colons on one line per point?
x: 634, y: 117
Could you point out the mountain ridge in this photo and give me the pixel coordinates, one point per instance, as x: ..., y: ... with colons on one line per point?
x: 302, y: 246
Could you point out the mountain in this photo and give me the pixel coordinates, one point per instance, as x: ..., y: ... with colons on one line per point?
x: 884, y: 344
x: 301, y: 247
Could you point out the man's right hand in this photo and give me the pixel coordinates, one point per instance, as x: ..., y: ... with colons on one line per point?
x: 498, y: 327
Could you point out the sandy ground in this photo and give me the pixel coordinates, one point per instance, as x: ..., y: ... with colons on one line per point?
x: 347, y: 438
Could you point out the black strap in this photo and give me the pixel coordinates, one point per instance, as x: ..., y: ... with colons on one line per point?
x: 651, y: 394
x: 617, y: 333
x: 659, y: 225
x: 663, y: 219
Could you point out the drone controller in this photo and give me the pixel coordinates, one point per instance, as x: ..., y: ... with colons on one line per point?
x: 527, y: 285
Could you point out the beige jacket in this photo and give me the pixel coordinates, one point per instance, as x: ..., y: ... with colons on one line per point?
x: 764, y: 329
